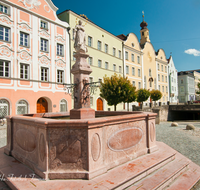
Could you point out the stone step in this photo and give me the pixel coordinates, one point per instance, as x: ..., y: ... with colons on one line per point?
x: 163, y: 176
x: 187, y: 180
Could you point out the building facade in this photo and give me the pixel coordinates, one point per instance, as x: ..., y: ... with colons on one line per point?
x: 143, y: 66
x: 173, y: 81
x: 34, y: 58
x: 186, y: 86
x: 105, y: 54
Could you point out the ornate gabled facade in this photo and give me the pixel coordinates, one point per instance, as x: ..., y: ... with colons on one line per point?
x: 34, y: 58
x: 105, y: 54
x: 144, y: 67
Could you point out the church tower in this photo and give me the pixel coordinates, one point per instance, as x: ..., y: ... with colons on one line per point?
x: 144, y: 32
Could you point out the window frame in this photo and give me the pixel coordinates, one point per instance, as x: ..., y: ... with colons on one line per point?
x: 4, y: 68
x: 133, y: 57
x: 138, y: 59
x: 90, y: 60
x: 46, y: 71
x: 100, y: 61
x: 22, y: 68
x: 60, y: 50
x: 114, y: 67
x: 106, y: 65
x: 42, y: 22
x: 127, y: 69
x: 114, y: 51
x: 99, y: 44
x: 133, y: 71
x: 5, y: 6
x: 90, y: 41
x: 47, y: 45
x: 139, y: 73
x: 24, y: 34
x: 60, y: 78
x: 126, y: 55
x: 4, y: 32
x: 106, y: 48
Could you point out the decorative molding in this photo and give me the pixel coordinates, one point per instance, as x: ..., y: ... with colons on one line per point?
x: 24, y: 55
x: 5, y: 20
x: 60, y: 63
x: 5, y: 51
x: 44, y: 60
x: 60, y: 39
x: 31, y: 4
x: 24, y: 27
x: 47, y: 8
x: 44, y: 33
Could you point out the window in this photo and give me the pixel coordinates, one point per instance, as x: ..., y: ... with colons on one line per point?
x: 106, y: 48
x: 4, y: 68
x: 60, y: 49
x: 165, y: 78
x: 24, y: 39
x: 165, y: 68
x: 24, y: 71
x: 60, y: 76
x: 172, y: 79
x: 163, y: 88
x: 145, y: 84
x: 106, y: 65
x: 162, y: 67
x: 181, y: 81
x: 90, y: 79
x: 90, y: 60
x: 127, y: 69
x: 4, y: 9
x: 114, y: 51
x: 4, y: 34
x: 120, y: 54
x: 150, y: 72
x: 158, y: 77
x: 158, y: 87
x: 166, y: 89
x: 162, y: 78
x: 133, y: 71
x: 22, y: 107
x: 133, y: 57
x: 44, y: 25
x: 158, y: 67
x: 74, y: 58
x: 44, y: 74
x: 138, y: 59
x: 73, y: 34
x: 91, y: 101
x: 114, y: 67
x: 138, y: 72
x: 90, y: 41
x: 133, y: 82
x: 63, y: 105
x: 99, y: 45
x: 126, y: 55
x: 155, y: 87
x: 44, y: 45
x: 163, y: 98
x: 139, y: 85
x: 4, y: 108
x: 99, y: 63
x: 120, y: 69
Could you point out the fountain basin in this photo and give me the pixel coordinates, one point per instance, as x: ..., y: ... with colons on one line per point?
x: 81, y: 148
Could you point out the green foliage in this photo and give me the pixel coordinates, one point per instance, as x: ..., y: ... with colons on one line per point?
x: 116, y: 89
x: 142, y: 95
x: 155, y: 95
x: 198, y: 85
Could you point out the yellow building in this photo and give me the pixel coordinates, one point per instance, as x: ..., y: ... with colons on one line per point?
x: 105, y: 51
x: 144, y: 67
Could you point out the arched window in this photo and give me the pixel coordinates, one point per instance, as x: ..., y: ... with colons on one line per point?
x: 63, y: 105
x: 22, y: 107
x: 4, y: 108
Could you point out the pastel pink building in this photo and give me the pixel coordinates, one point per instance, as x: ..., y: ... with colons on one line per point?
x: 34, y: 58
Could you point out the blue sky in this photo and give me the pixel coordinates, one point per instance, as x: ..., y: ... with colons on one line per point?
x: 173, y: 24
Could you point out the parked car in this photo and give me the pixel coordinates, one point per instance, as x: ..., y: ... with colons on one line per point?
x: 196, y: 102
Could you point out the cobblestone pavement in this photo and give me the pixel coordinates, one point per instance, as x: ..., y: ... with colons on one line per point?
x: 185, y: 142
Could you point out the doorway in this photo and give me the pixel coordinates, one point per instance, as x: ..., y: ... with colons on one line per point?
x: 42, y: 106
x: 99, y: 104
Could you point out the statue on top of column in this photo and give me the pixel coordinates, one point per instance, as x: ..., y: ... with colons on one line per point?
x: 80, y: 38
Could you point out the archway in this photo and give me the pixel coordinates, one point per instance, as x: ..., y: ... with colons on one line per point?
x: 42, y: 105
x: 99, y: 104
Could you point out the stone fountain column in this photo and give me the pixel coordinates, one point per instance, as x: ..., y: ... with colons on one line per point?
x: 81, y: 70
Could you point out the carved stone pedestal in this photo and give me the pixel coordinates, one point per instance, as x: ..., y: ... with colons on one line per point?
x: 83, y: 113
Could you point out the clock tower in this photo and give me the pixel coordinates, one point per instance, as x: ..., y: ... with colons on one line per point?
x: 144, y: 32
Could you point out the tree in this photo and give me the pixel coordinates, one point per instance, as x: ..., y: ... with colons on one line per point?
x: 142, y: 95
x: 198, y: 85
x: 155, y: 95
x: 116, y: 89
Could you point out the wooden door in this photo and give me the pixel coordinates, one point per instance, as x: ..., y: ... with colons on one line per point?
x: 42, y: 106
x: 99, y: 104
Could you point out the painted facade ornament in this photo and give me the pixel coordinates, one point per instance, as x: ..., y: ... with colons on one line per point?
x: 80, y: 38
x: 4, y: 51
x: 60, y: 63
x: 60, y: 39
x: 31, y: 4
x: 44, y: 34
x: 24, y: 26
x: 25, y: 56
x: 5, y: 20
x: 44, y: 60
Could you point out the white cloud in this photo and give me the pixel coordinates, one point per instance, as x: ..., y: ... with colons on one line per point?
x: 192, y: 52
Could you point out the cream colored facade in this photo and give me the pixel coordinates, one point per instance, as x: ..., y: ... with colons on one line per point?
x: 145, y: 67
x: 104, y: 49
